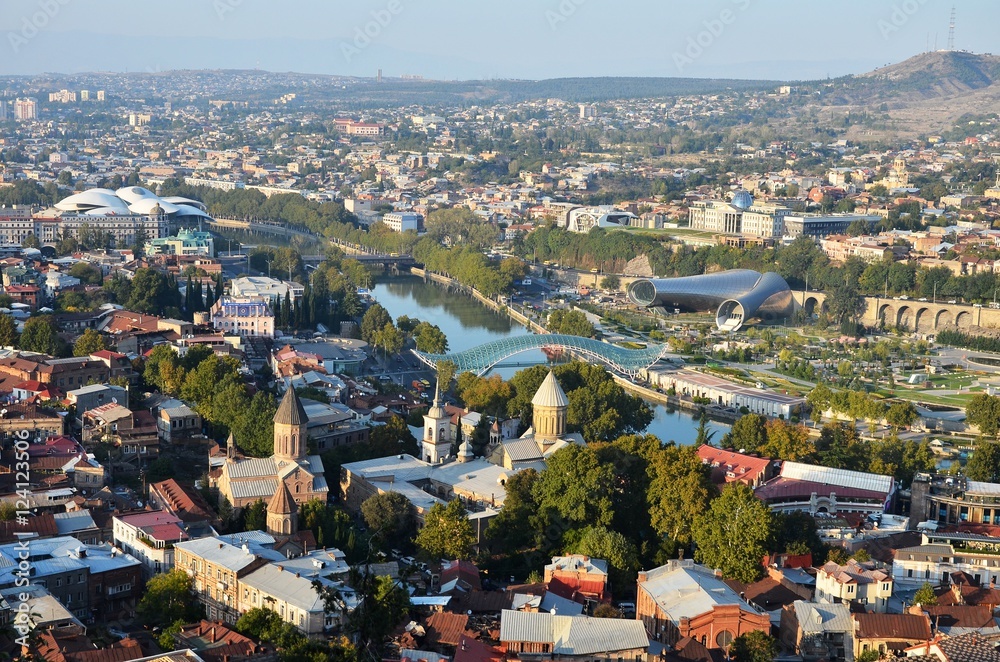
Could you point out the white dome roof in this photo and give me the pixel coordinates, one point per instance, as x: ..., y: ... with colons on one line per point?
x: 145, y: 206
x: 129, y: 200
x: 550, y: 394
x: 133, y: 194
x: 178, y: 200
x: 90, y: 200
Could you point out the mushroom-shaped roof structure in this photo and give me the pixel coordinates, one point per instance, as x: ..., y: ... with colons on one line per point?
x: 131, y: 200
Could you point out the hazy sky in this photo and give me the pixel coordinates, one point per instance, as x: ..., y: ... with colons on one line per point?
x: 463, y: 39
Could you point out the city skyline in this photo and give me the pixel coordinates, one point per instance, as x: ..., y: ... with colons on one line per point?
x: 753, y: 39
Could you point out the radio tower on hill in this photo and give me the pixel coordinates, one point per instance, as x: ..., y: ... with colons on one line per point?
x: 951, y: 30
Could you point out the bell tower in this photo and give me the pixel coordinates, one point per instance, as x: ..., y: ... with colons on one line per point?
x: 281, y: 512
x: 436, y: 444
x: 290, y: 428
x: 549, y: 407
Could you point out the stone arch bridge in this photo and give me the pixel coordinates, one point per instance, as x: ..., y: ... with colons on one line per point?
x: 911, y: 314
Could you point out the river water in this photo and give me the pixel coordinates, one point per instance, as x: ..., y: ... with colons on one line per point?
x: 467, y: 324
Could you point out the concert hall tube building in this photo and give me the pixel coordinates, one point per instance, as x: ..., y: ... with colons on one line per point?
x: 737, y: 295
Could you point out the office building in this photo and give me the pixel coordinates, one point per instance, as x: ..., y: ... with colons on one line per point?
x: 740, y: 216
x: 818, y: 226
x: 404, y: 222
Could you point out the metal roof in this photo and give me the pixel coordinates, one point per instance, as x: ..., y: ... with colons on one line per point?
x: 573, y: 635
x: 216, y: 551
x: 838, y: 477
x: 821, y: 617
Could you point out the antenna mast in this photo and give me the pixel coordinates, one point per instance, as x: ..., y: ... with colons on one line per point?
x: 951, y: 30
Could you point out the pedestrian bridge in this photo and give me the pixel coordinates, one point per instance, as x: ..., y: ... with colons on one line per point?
x: 480, y: 360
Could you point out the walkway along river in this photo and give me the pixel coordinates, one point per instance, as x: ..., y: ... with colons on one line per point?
x: 468, y: 323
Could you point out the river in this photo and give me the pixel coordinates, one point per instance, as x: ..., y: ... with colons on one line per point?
x: 467, y: 324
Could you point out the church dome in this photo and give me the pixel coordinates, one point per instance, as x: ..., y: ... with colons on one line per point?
x: 550, y: 394
x: 290, y: 411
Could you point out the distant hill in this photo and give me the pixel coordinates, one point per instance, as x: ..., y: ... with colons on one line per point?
x: 925, y: 94
x: 933, y: 75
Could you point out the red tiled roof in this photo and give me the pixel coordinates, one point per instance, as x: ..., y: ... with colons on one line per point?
x: 445, y: 628
x: 188, y: 505
x: 44, y: 525
x: 732, y: 466
x: 910, y: 627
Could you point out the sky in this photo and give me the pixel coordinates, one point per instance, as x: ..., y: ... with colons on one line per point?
x: 486, y: 39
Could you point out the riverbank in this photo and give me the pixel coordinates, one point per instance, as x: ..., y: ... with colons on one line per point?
x: 478, y: 296
x: 674, y: 401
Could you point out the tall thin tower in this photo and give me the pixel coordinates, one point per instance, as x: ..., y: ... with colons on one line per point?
x: 951, y: 30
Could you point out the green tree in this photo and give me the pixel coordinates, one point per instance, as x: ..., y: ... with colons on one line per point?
x: 925, y: 596
x: 754, y: 646
x: 484, y: 394
x: 373, y: 322
x: 31, y: 241
x: 8, y: 331
x: 679, y: 492
x: 514, y: 526
x: 611, y: 282
x: 255, y: 516
x: 430, y: 339
x: 87, y: 273
x: 152, y: 293
x: 445, y: 373
x: 733, y: 534
x: 748, y: 433
x: 90, y: 342
x: 577, y: 487
x: 447, y: 532
x: 984, y: 465
x: 901, y: 415
x: 570, y: 322
x: 983, y: 411
x: 598, y: 542
x: 40, y: 335
x: 390, y: 516
x: 168, y: 597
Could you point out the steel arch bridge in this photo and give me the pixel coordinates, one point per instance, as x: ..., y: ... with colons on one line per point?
x: 482, y: 359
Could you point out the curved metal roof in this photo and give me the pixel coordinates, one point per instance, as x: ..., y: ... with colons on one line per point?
x: 737, y: 295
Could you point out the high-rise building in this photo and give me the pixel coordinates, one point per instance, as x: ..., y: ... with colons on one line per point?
x: 3, y: 109
x: 84, y: 95
x: 62, y: 96
x: 587, y: 111
x: 26, y: 109
x: 100, y: 95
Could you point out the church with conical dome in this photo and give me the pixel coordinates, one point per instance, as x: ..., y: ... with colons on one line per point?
x: 244, y: 480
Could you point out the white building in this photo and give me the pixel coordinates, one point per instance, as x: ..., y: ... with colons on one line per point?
x: 25, y: 109
x: 243, y: 316
x: 403, y: 221
x: 861, y: 583
x: 149, y: 537
x: 935, y: 561
x: 741, y: 216
x: 264, y: 287
x: 723, y: 392
x: 585, y: 219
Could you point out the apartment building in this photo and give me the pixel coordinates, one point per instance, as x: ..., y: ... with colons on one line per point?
x: 216, y: 568
x: 861, y: 583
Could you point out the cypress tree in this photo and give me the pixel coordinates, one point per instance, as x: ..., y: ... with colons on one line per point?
x: 187, y: 297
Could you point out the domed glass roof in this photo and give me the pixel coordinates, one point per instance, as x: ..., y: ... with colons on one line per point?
x: 742, y: 199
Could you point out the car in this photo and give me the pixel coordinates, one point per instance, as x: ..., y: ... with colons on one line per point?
x: 924, y: 299
x: 977, y: 305
x: 952, y: 301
